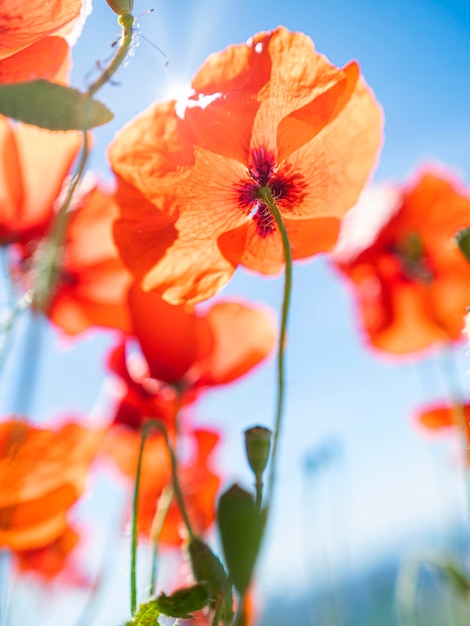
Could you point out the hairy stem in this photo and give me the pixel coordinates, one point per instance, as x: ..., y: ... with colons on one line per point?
x: 148, y: 426
x: 265, y: 195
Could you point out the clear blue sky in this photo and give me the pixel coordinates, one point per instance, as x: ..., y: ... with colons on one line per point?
x: 416, y: 57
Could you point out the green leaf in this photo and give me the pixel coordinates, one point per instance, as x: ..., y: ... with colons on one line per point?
x: 183, y: 602
x: 52, y: 106
x: 241, y: 526
x: 208, y: 569
x: 147, y: 615
x: 463, y: 241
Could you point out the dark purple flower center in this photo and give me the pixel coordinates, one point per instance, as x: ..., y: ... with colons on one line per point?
x: 287, y: 188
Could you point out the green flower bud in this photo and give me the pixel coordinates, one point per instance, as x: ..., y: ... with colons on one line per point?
x: 121, y: 6
x: 257, y: 447
x: 462, y: 239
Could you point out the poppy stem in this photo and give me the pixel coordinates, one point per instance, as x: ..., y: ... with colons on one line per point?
x: 163, y: 506
x: 265, y: 195
x: 48, y: 258
x: 126, y: 22
x: 135, y: 502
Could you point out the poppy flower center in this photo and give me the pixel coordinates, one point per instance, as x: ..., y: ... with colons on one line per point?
x: 414, y: 262
x: 287, y: 187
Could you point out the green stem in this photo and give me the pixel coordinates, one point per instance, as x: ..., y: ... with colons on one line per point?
x: 126, y: 21
x: 135, y: 503
x: 48, y: 256
x: 259, y: 491
x: 49, y: 253
x: 135, y: 514
x: 163, y: 507
x: 265, y: 195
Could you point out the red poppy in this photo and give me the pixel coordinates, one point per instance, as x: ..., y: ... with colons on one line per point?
x: 440, y: 417
x: 199, y: 483
x: 53, y: 559
x: 272, y: 112
x: 29, y: 47
x: 411, y: 280
x: 93, y: 283
x: 185, y: 351
x: 42, y: 474
x: 29, y: 183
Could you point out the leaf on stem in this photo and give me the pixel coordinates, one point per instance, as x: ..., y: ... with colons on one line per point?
x: 208, y: 569
x: 52, y: 106
x: 183, y: 602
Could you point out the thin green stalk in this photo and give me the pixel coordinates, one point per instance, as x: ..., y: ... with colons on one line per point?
x: 126, y: 21
x: 259, y: 492
x: 163, y: 507
x: 48, y: 257
x: 265, y: 195
x: 135, y: 514
x: 135, y: 503
x: 49, y: 253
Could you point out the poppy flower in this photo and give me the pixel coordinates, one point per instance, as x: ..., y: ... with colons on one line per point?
x: 32, y: 44
x: 29, y: 183
x: 199, y: 483
x: 185, y: 351
x: 42, y: 474
x: 271, y: 112
x: 52, y: 560
x: 141, y: 396
x: 397, y: 247
x: 93, y: 283
x: 441, y: 417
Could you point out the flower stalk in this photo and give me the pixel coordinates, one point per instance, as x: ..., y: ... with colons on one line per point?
x: 266, y: 196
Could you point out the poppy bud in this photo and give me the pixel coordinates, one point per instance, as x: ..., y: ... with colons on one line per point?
x: 257, y: 446
x: 121, y: 6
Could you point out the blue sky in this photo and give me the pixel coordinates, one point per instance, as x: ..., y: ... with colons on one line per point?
x: 416, y: 57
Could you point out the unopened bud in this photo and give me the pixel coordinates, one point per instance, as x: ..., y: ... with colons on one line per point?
x: 257, y: 446
x: 121, y: 6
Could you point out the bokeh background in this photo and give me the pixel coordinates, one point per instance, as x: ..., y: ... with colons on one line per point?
x: 359, y: 484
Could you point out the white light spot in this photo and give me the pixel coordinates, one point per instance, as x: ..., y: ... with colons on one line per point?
x: 259, y: 47
x: 202, y: 102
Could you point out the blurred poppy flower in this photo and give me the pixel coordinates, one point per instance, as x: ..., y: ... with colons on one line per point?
x: 53, y: 560
x: 186, y: 350
x: 441, y: 417
x: 199, y: 483
x: 411, y: 280
x: 93, y: 283
x: 32, y: 45
x: 30, y: 183
x: 272, y: 112
x: 42, y: 474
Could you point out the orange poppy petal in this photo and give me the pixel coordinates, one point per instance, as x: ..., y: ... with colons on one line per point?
x: 167, y: 334
x: 48, y: 58
x: 337, y: 163
x: 304, y: 124
x: 93, y: 286
x: 42, y: 473
x: 49, y: 560
x: 436, y: 418
x: 23, y: 23
x: 243, y: 337
x: 266, y: 255
x: 43, y: 178
x: 34, y: 536
x: 11, y: 183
